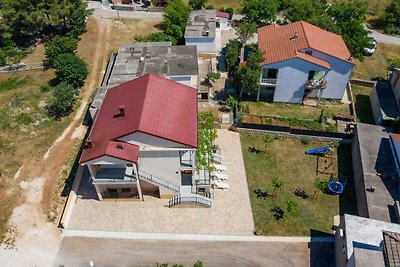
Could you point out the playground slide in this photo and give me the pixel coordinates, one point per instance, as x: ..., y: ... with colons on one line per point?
x: 317, y: 151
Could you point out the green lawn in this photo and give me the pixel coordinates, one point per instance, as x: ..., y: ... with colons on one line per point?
x: 294, y: 115
x: 285, y: 159
x: 363, y: 104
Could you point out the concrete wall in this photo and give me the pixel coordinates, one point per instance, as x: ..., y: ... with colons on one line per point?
x: 337, y: 77
x: 292, y: 78
x: 376, y: 107
x: 395, y: 83
x: 359, y: 184
x: 164, y: 163
x: 223, y: 23
x: 186, y: 80
x: 203, y: 44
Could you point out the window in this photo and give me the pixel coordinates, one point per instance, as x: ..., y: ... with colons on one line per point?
x: 125, y: 190
x: 129, y: 165
x: 311, y: 75
x: 112, y: 190
x: 269, y: 73
x: 309, y: 52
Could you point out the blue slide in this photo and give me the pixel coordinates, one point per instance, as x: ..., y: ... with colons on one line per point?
x: 318, y: 151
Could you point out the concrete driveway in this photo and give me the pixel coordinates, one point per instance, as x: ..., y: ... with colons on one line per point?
x: 77, y: 251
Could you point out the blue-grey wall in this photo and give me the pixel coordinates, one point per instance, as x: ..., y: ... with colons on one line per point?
x: 203, y: 44
x: 292, y: 78
x: 337, y: 77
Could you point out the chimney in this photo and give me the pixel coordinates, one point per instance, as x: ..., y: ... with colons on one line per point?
x: 294, y: 37
x: 121, y: 110
x: 119, y: 146
x: 89, y: 143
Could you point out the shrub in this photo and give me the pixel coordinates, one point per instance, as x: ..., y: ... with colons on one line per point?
x: 71, y: 69
x: 232, y: 102
x: 62, y: 101
x: 23, y: 118
x: 213, y: 76
x: 209, y: 6
x: 394, y: 64
x: 44, y: 88
x: 155, y: 37
x: 60, y: 45
x: 291, y: 206
x: 3, y: 57
x: 305, y: 140
x: 229, y: 10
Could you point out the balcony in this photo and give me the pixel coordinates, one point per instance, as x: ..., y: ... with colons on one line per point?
x: 316, y: 84
x: 187, y: 159
x: 114, y: 176
x: 268, y: 81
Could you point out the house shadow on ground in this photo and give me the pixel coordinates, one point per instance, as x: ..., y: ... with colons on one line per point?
x: 322, y: 254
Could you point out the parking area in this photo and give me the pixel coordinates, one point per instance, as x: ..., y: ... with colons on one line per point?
x: 230, y: 214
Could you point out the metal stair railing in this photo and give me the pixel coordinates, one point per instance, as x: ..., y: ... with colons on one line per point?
x: 157, y: 179
x: 176, y: 200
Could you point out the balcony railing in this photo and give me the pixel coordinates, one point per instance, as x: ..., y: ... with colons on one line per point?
x: 190, y: 200
x: 268, y: 81
x: 114, y: 175
x: 316, y: 84
x: 154, y: 178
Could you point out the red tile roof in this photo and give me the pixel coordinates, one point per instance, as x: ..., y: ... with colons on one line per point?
x: 222, y: 15
x: 286, y: 42
x: 395, y: 136
x: 152, y: 105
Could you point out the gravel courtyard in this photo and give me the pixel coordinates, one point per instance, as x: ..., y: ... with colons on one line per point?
x: 229, y: 215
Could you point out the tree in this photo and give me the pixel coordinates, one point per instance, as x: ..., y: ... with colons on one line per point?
x: 197, y: 4
x: 291, y: 206
x: 71, y: 69
x: 248, y: 76
x: 259, y: 11
x: 60, y: 45
x: 267, y: 139
x: 175, y: 17
x: 277, y: 185
x: 245, y: 31
x: 232, y: 55
x: 232, y: 102
x: 391, y: 17
x: 320, y: 185
x: 305, y: 9
x: 213, y: 76
x: 62, y: 101
x: 155, y: 37
x: 229, y: 10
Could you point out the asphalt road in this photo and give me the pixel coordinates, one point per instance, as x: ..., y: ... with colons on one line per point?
x: 77, y: 251
x: 383, y: 38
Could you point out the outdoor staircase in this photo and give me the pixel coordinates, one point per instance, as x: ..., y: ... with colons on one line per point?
x: 192, y: 199
x: 158, y: 180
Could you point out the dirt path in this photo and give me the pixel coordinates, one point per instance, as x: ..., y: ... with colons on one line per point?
x: 37, y: 241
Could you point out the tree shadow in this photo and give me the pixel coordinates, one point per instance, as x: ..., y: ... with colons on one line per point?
x: 300, y: 193
x: 261, y: 194
x: 278, y: 213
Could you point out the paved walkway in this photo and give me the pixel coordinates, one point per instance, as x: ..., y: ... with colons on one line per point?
x: 119, y: 252
x: 229, y: 215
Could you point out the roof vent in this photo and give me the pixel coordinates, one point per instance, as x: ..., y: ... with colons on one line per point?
x: 89, y: 143
x: 119, y: 146
x: 294, y: 37
x: 121, y: 110
x: 371, y: 189
x: 141, y: 59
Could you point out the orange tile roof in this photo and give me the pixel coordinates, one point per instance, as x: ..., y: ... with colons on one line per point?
x: 285, y: 42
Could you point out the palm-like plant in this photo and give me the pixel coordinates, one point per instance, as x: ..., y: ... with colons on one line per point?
x: 320, y: 185
x: 277, y: 184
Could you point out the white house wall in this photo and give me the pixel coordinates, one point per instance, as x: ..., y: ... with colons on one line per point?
x: 164, y: 163
x: 145, y: 140
x: 223, y: 23
x: 292, y: 78
x: 203, y: 44
x: 337, y: 77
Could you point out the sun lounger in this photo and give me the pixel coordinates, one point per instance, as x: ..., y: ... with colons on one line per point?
x: 221, y: 185
x: 219, y: 167
x: 221, y: 176
x: 217, y: 158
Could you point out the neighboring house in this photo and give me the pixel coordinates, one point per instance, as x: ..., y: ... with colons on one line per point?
x: 222, y: 20
x: 383, y: 103
x: 363, y: 242
x: 201, y: 30
x: 143, y: 142
x: 178, y: 63
x: 395, y: 83
x: 301, y: 62
x: 375, y: 169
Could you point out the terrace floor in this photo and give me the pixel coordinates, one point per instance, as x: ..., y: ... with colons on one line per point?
x: 230, y: 214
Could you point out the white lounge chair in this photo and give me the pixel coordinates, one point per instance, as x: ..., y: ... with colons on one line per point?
x: 217, y: 158
x: 221, y: 176
x: 221, y: 185
x: 219, y: 167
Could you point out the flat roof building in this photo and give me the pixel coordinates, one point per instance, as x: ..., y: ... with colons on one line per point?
x: 201, y: 30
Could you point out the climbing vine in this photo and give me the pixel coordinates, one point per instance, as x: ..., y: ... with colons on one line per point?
x: 206, y: 135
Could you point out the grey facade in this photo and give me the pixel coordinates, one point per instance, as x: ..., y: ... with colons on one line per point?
x: 201, y: 30
x: 383, y: 103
